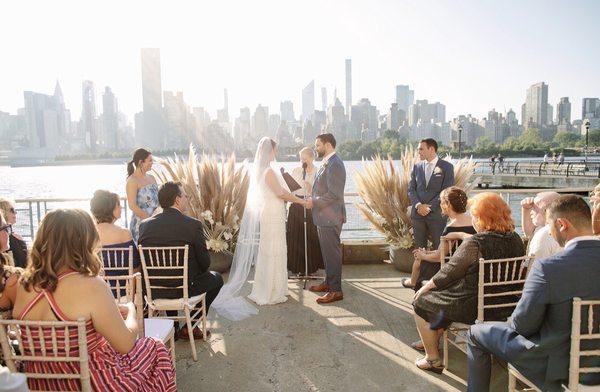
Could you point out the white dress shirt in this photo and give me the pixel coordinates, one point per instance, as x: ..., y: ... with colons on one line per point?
x: 542, y: 245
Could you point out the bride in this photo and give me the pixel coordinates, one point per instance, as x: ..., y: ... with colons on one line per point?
x: 261, y: 241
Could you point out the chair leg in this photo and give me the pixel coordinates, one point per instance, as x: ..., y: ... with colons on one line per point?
x: 173, y: 356
x: 204, y: 333
x: 445, y: 348
x: 512, y: 382
x: 188, y: 320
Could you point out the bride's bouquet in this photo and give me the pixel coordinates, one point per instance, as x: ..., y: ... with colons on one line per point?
x: 216, y: 190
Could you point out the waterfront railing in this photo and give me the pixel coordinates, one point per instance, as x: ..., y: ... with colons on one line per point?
x: 30, y: 212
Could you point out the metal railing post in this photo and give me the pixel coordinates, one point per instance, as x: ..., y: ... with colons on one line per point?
x: 30, y: 204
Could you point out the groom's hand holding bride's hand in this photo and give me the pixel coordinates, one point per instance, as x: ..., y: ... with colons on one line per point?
x: 308, y: 203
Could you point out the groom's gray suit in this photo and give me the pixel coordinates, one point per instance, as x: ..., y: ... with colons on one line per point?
x: 329, y: 214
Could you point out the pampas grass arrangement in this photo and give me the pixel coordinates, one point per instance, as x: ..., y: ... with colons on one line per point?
x: 383, y: 188
x: 216, y: 192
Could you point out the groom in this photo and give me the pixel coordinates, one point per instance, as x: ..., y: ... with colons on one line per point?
x: 329, y: 214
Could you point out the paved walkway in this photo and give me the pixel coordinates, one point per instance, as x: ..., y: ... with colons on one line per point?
x: 358, y: 344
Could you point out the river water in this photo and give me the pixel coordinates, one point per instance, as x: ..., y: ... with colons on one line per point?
x: 44, y: 182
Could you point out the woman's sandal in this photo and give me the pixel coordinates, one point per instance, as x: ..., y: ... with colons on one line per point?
x: 418, y: 345
x: 404, y: 284
x: 431, y: 365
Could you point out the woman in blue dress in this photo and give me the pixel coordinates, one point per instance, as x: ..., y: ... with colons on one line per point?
x: 142, y: 191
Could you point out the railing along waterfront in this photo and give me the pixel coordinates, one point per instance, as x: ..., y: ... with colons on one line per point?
x: 30, y: 212
x: 571, y: 168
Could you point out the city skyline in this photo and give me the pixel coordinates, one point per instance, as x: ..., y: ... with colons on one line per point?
x: 430, y: 67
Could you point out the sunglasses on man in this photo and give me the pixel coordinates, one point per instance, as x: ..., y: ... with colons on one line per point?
x: 7, y: 228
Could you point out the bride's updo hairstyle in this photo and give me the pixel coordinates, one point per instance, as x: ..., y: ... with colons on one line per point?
x: 67, y: 238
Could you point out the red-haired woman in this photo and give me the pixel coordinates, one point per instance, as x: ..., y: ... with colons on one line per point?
x: 451, y: 295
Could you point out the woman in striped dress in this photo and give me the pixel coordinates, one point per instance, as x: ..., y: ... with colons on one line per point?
x: 62, y: 283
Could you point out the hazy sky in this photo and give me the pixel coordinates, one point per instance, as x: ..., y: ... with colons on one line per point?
x: 470, y: 55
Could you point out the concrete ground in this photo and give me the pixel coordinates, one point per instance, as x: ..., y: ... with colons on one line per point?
x: 358, y: 344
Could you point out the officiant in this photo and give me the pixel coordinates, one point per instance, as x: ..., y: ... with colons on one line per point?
x: 304, y: 174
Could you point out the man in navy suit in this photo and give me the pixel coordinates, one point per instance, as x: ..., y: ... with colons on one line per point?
x: 427, y: 180
x: 329, y: 214
x: 536, y: 341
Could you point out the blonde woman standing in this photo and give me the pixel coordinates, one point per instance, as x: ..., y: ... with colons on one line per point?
x: 304, y: 174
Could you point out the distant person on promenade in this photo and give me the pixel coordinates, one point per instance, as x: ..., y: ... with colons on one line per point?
x: 142, y: 190
x: 500, y: 159
x: 554, y: 158
x: 535, y: 227
x: 17, y: 245
x: 428, y: 179
x: 561, y: 158
x: 545, y: 157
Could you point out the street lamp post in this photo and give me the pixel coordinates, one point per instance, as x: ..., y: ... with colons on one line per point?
x: 460, y: 128
x: 587, y: 131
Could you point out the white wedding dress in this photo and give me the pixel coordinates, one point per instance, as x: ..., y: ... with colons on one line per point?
x: 270, y: 272
x: 261, y: 242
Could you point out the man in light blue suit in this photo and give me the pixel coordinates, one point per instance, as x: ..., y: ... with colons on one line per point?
x: 536, y: 341
x: 329, y: 214
x: 427, y: 180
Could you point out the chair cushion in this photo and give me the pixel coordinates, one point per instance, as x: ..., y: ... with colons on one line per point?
x: 173, y: 304
x: 160, y: 329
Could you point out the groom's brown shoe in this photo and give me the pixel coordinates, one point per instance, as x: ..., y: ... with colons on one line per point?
x: 320, y: 288
x: 330, y: 297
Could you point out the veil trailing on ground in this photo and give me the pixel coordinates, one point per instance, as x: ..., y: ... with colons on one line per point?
x: 230, y: 303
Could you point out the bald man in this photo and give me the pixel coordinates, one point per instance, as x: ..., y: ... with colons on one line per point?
x: 533, y: 221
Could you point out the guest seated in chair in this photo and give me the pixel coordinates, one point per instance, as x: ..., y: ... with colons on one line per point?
x: 9, y: 276
x: 453, y: 202
x: 61, y: 283
x: 451, y: 295
x: 533, y: 221
x: 173, y: 228
x: 106, y: 208
x: 536, y: 341
x: 17, y: 245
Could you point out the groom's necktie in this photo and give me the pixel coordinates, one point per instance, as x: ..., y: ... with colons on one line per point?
x: 428, y: 172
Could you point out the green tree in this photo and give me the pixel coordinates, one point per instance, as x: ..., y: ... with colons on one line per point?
x: 566, y: 139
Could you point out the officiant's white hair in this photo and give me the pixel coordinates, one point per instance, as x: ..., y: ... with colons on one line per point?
x: 307, y: 151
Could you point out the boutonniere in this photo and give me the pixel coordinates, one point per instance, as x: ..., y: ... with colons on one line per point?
x: 437, y: 170
x: 324, y: 166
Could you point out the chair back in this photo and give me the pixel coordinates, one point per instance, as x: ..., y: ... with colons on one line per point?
x: 50, y: 343
x: 165, y: 271
x: 585, y: 341
x: 500, y: 287
x: 117, y: 261
x: 128, y: 288
x: 447, y: 249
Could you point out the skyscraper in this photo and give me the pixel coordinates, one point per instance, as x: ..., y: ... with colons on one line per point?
x: 110, y: 119
x: 536, y: 104
x: 308, y: 101
x: 590, y: 108
x: 425, y: 112
x: 348, y: 86
x: 563, y: 111
x: 88, y: 115
x: 286, y: 109
x: 404, y: 97
x: 324, y: 99
x: 260, y: 122
x: 153, y: 127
